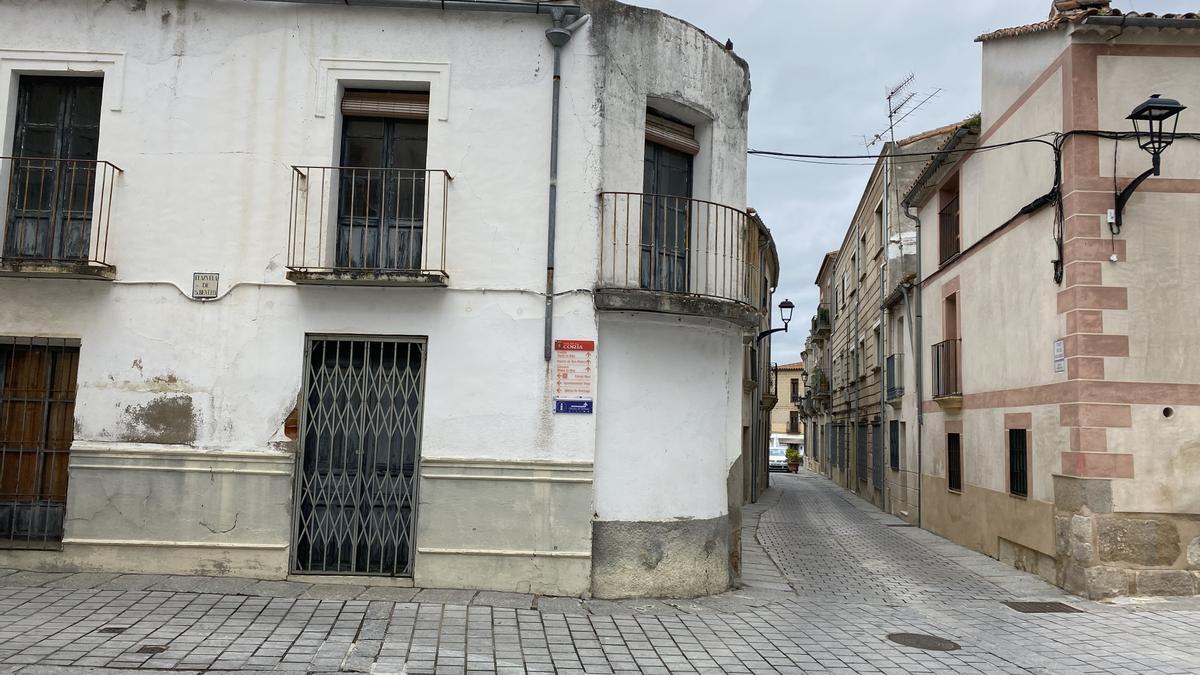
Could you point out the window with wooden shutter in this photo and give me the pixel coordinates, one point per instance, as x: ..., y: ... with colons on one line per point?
x: 408, y: 105
x: 674, y: 135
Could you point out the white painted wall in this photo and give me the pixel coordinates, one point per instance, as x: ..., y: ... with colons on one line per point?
x: 662, y: 454
x: 207, y: 105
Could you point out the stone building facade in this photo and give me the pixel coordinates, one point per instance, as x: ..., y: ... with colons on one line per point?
x: 1054, y: 370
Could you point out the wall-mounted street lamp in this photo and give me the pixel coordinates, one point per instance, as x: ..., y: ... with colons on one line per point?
x: 804, y: 376
x: 785, y: 313
x: 1149, y: 120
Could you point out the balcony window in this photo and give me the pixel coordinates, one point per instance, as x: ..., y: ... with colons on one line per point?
x: 895, y: 376
x: 949, y: 226
x: 381, y: 213
x: 57, y: 202
x: 946, y: 369
x: 666, y: 204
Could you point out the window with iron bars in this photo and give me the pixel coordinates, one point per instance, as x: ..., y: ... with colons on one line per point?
x: 877, y: 456
x: 1018, y: 462
x: 37, y: 419
x: 954, y: 462
x: 860, y: 453
x: 894, y: 444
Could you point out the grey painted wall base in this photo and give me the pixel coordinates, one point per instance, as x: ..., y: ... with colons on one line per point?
x: 674, y: 559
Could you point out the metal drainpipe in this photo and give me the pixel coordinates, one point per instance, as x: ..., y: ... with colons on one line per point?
x: 558, y: 36
x: 918, y: 353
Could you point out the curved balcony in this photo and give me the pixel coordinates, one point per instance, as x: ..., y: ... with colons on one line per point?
x: 677, y: 255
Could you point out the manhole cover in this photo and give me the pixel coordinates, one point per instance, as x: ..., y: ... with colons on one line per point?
x: 113, y: 629
x: 151, y: 649
x: 931, y: 642
x: 1043, y: 608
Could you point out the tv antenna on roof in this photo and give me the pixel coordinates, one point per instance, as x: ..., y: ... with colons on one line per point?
x: 900, y: 105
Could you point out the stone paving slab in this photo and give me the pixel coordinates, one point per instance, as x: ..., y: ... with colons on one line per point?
x: 827, y: 581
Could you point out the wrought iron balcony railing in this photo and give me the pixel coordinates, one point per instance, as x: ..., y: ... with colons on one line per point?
x: 946, y: 367
x: 821, y: 324
x: 356, y: 221
x: 679, y: 245
x: 57, y: 211
x: 895, y: 376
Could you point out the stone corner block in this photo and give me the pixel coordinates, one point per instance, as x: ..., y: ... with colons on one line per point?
x: 1151, y: 543
x: 1165, y: 582
x: 1106, y: 582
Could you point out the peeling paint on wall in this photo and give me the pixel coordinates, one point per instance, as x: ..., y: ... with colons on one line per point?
x: 166, y: 419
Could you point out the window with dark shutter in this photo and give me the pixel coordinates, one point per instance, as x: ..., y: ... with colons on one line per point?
x: 954, y: 462
x: 894, y: 444
x: 1018, y: 462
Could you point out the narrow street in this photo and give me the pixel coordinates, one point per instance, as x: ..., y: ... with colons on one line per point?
x: 827, y: 579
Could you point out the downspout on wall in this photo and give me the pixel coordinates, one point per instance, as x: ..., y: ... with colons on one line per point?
x: 558, y: 37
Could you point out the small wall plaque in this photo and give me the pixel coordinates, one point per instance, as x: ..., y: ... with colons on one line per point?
x: 204, y: 285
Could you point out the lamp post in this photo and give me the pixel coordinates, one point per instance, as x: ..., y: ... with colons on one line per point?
x: 785, y: 313
x: 1149, y: 120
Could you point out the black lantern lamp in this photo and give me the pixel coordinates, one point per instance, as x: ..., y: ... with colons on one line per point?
x: 1150, y: 122
x: 804, y: 376
x: 785, y: 313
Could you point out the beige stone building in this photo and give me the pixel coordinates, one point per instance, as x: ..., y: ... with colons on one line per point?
x: 787, y: 426
x: 1046, y: 414
x: 1062, y: 425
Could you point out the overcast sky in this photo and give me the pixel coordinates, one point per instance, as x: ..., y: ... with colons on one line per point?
x: 819, y: 72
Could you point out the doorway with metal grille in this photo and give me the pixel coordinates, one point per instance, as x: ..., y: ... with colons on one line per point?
x: 356, y: 483
x: 37, y: 421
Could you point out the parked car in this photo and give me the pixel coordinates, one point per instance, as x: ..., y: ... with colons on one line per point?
x: 777, y: 459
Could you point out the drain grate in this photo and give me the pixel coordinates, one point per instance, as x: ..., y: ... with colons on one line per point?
x: 151, y: 649
x: 113, y: 629
x: 899, y: 524
x: 1043, y: 608
x: 930, y: 642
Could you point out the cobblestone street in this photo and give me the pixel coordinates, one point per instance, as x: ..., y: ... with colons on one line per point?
x: 826, y: 580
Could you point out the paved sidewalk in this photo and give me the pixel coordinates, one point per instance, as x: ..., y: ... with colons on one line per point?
x: 826, y: 578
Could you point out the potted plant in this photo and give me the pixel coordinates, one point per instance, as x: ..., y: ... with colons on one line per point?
x: 793, y: 460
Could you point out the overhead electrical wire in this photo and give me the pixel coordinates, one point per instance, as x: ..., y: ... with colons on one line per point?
x: 1053, y: 196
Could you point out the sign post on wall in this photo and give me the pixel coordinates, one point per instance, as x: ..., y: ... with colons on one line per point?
x: 1060, y: 357
x: 574, y: 365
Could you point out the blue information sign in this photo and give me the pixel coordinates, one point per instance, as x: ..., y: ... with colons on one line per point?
x: 584, y: 407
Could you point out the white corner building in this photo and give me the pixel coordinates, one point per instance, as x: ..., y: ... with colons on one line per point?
x: 463, y: 293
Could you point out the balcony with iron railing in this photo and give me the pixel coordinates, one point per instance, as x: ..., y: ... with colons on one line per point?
x: 368, y: 226
x: 947, y: 387
x: 678, y: 255
x: 56, y: 217
x: 821, y: 325
x: 894, y: 378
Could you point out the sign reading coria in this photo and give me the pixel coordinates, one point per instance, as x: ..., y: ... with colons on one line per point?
x: 574, y: 364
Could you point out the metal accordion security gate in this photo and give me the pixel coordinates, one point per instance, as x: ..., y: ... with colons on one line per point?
x: 356, y: 483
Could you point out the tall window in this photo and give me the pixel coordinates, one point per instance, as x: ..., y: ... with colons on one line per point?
x: 894, y: 444
x: 381, y: 198
x: 949, y: 226
x: 1018, y: 462
x: 37, y: 419
x: 793, y: 421
x: 667, y: 204
x: 795, y: 388
x: 53, y: 172
x: 954, y: 462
